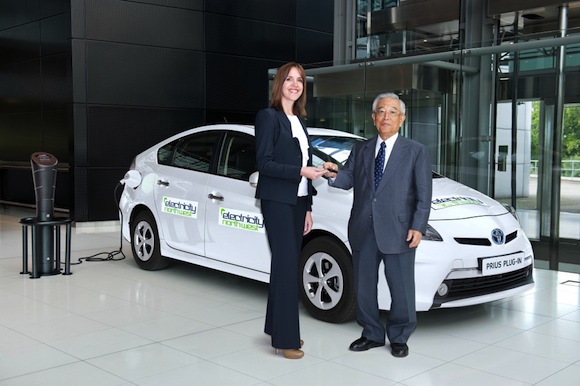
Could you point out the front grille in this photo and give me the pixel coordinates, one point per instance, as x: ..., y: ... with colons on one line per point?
x: 473, y: 241
x: 481, y: 241
x: 482, y: 285
x: 511, y: 236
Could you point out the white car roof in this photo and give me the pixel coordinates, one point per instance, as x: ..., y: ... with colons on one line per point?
x: 249, y: 129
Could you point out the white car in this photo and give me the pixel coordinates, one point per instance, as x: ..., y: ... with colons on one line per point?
x: 191, y: 198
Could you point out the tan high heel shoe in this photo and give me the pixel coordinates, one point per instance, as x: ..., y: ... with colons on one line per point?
x: 291, y: 353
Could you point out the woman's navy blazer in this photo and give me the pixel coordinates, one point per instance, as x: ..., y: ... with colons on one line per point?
x: 279, y: 158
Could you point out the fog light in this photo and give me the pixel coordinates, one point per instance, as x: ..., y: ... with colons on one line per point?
x: 443, y: 290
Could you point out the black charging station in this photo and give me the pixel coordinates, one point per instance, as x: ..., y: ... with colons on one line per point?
x: 45, y: 227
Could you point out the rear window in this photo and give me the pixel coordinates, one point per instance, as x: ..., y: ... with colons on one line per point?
x: 193, y: 152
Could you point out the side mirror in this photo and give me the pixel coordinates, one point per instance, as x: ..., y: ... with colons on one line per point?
x: 254, y: 179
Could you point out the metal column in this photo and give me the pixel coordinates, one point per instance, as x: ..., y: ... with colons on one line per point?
x: 557, y: 146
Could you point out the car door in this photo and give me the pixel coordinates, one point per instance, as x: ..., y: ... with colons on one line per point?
x: 234, y: 225
x: 180, y: 196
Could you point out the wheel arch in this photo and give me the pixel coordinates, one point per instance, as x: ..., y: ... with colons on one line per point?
x: 316, y: 233
x: 140, y: 208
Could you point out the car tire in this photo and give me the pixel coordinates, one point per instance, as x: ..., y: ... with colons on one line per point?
x: 327, y: 280
x: 145, y: 243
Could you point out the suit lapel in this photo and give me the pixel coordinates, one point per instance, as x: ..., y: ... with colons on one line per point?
x: 368, y: 152
x: 284, y: 121
x: 396, y: 157
x: 286, y: 125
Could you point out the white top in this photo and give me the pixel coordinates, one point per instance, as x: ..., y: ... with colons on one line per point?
x: 300, y: 135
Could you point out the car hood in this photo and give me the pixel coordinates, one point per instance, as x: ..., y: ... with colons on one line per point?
x: 452, y: 200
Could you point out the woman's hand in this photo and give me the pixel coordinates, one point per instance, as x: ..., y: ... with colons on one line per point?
x: 311, y: 172
x: 308, y: 222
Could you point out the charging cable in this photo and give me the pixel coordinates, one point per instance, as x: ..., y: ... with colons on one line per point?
x: 109, y: 256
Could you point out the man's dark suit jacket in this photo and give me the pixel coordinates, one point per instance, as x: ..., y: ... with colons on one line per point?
x: 402, y: 200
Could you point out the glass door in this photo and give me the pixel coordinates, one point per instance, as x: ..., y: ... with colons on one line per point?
x: 570, y: 184
x: 533, y: 176
x: 527, y: 162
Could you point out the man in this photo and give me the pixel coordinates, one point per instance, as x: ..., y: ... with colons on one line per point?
x: 386, y: 223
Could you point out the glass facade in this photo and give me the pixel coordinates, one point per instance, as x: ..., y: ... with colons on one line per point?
x: 491, y: 89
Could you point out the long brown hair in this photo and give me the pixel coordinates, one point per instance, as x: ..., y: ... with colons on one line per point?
x: 299, y: 107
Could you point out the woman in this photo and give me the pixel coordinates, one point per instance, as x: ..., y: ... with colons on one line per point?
x: 285, y: 190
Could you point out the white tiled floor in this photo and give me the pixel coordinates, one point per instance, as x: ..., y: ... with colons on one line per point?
x: 110, y: 323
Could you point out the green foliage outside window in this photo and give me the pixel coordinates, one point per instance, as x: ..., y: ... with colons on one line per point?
x: 570, y: 139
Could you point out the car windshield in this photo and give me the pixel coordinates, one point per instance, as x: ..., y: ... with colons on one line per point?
x: 332, y: 148
x: 336, y: 149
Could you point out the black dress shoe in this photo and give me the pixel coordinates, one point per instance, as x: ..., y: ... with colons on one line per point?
x: 363, y: 344
x: 399, y: 350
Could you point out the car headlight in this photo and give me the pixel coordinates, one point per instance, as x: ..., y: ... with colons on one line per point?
x: 512, y: 210
x: 431, y: 234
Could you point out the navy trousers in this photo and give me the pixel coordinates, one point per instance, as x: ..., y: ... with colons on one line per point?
x: 400, y: 275
x: 284, y: 228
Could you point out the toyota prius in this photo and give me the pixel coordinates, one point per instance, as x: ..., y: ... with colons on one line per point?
x: 191, y: 197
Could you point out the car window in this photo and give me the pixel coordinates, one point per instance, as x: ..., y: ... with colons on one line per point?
x: 238, y: 158
x: 165, y: 152
x: 193, y: 152
x: 332, y: 148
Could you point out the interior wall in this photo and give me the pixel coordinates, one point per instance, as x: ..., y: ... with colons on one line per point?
x: 35, y: 94
x: 94, y: 82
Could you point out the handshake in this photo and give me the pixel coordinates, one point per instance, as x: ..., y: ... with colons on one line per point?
x: 328, y: 170
x: 331, y: 169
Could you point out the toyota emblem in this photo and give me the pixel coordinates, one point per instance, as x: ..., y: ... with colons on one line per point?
x: 497, y: 236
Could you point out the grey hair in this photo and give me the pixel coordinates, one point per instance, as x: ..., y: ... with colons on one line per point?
x: 389, y: 95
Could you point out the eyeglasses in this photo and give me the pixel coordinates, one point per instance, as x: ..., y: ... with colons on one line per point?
x: 392, y: 113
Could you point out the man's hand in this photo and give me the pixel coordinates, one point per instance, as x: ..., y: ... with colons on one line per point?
x: 331, y: 169
x: 414, y: 238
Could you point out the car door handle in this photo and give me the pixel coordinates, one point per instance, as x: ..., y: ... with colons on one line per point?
x: 164, y: 183
x: 212, y: 196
